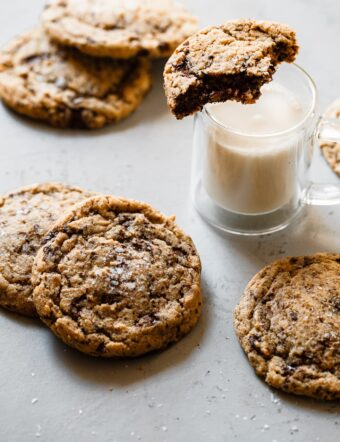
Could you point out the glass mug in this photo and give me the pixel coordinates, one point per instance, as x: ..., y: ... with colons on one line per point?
x: 257, y: 184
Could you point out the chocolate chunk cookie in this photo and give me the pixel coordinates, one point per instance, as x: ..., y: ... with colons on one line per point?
x: 119, y: 28
x: 288, y: 323
x: 117, y: 278
x: 331, y: 150
x: 25, y: 217
x: 66, y: 88
x: 228, y: 62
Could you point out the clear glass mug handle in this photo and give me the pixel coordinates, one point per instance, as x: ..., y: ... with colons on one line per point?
x: 317, y: 194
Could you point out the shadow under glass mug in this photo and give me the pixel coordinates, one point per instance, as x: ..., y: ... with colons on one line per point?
x: 257, y: 184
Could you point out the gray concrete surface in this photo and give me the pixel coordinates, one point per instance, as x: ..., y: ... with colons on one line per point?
x: 202, y: 389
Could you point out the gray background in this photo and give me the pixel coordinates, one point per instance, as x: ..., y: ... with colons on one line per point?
x: 202, y: 389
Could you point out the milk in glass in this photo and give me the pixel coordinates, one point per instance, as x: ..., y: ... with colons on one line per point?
x: 248, y: 169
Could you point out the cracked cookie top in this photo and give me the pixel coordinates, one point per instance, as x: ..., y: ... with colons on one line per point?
x: 66, y: 88
x: 119, y: 28
x: 288, y: 323
x: 117, y: 278
x: 228, y: 62
x: 26, y: 215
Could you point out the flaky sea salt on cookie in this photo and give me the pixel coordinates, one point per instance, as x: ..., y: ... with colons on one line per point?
x: 288, y: 323
x: 66, y: 88
x: 119, y: 28
x: 117, y: 278
x: 228, y: 62
x: 26, y: 215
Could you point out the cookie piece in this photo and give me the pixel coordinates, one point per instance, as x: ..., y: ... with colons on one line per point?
x: 228, y: 62
x: 288, y: 323
x: 26, y: 215
x: 331, y: 150
x: 66, y: 88
x: 119, y: 28
x: 117, y: 278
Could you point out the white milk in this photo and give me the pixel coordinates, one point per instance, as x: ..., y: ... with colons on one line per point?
x: 253, y: 175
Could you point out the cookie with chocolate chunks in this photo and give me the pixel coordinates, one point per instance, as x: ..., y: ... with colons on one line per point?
x: 228, y: 62
x: 66, y: 88
x: 117, y: 278
x: 288, y: 323
x: 26, y: 215
x: 119, y: 28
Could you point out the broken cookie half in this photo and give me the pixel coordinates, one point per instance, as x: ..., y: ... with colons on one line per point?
x: 228, y: 62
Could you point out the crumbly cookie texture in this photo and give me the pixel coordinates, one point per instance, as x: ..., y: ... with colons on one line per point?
x: 119, y: 28
x: 330, y: 150
x: 228, y: 62
x: 26, y: 215
x: 66, y: 88
x: 288, y: 323
x: 117, y: 278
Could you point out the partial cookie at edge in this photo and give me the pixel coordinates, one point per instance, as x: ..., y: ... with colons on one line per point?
x: 25, y: 217
x: 288, y: 323
x: 331, y: 150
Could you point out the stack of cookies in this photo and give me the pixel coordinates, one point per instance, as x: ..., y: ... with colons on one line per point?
x: 109, y: 276
x: 88, y: 63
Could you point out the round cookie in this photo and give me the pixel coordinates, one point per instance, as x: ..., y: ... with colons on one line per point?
x: 26, y: 215
x: 66, y: 88
x: 331, y: 150
x: 117, y: 278
x: 288, y: 323
x: 119, y: 28
x: 227, y: 62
